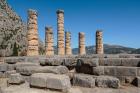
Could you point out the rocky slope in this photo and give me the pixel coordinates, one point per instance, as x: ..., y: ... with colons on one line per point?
x: 12, y: 31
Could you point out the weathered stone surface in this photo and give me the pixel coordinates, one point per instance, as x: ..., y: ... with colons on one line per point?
x: 2, y: 75
x: 8, y: 73
x: 68, y: 50
x: 32, y: 35
x: 3, y: 67
x: 106, y: 81
x: 82, y: 49
x: 29, y: 70
x: 110, y: 70
x: 70, y: 62
x: 15, y: 79
x: 75, y: 90
x: 138, y: 81
x: 52, y: 62
x: 52, y: 81
x: 49, y: 41
x: 10, y: 67
x: 135, y: 62
x: 94, y: 62
x: 83, y: 80
x: 99, y: 70
x: 99, y: 42
x: 60, y: 31
x: 22, y: 64
x: 11, y: 61
x: 111, y: 56
x: 126, y: 71
x: 110, y: 62
x: 138, y: 71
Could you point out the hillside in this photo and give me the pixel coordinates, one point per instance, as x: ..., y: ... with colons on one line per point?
x: 110, y: 49
x: 12, y: 31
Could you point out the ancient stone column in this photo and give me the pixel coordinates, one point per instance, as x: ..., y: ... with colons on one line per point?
x: 32, y: 34
x: 99, y: 42
x: 68, y: 50
x: 82, y: 50
x: 60, y: 32
x: 49, y: 41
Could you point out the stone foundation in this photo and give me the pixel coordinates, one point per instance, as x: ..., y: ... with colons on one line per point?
x: 65, y: 72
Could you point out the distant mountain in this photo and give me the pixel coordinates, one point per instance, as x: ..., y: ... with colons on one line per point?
x: 136, y: 51
x: 110, y: 49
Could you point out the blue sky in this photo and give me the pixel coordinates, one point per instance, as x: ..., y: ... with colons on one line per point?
x: 119, y: 19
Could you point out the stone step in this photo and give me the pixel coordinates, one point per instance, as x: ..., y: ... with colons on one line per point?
x: 50, y: 81
x: 16, y: 79
x: 107, y: 81
x: 83, y: 80
x: 29, y: 70
x: 132, y: 62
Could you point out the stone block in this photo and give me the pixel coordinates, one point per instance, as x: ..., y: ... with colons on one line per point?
x: 74, y: 90
x: 93, y: 62
x: 38, y: 80
x: 2, y: 75
x: 98, y: 70
x: 52, y: 62
x: 11, y: 60
x: 8, y: 73
x: 22, y: 64
x: 29, y: 70
x: 138, y: 82
x: 111, y: 56
x: 110, y: 70
x: 51, y: 81
x: 3, y: 67
x: 106, y: 81
x: 132, y: 62
x: 110, y: 62
x: 126, y: 71
x: 11, y: 67
x: 70, y: 62
x: 83, y: 80
x: 15, y: 79
x: 138, y: 71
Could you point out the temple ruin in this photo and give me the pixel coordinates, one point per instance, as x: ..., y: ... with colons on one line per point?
x: 49, y: 41
x: 32, y: 34
x: 60, y: 32
x: 99, y: 42
x: 67, y: 73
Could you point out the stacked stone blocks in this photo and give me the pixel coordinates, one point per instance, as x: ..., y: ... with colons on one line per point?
x: 32, y: 34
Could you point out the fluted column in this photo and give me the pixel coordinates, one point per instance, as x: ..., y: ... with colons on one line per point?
x: 99, y: 42
x: 68, y: 50
x: 32, y: 34
x: 49, y: 41
x: 60, y: 32
x: 82, y: 50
